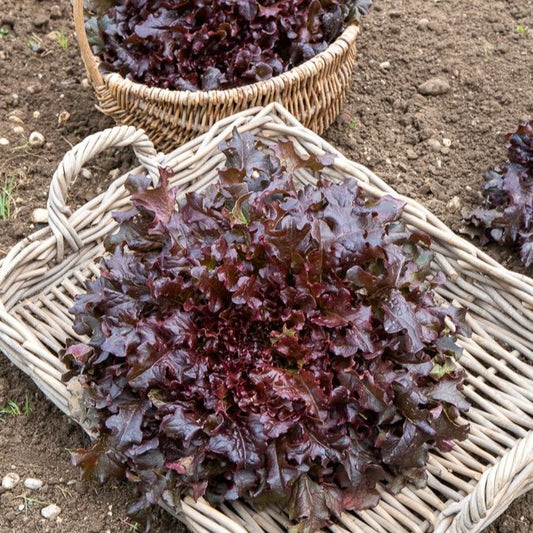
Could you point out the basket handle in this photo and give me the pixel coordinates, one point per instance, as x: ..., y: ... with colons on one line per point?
x: 72, y: 163
x: 86, y: 53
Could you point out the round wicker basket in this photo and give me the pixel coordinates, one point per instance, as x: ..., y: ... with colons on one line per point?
x: 313, y: 92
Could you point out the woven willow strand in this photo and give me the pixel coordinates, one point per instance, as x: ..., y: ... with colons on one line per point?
x: 467, y: 488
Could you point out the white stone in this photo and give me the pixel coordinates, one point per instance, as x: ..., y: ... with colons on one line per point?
x: 33, y: 483
x: 18, y: 130
x: 36, y: 114
x: 36, y: 139
x: 15, y: 119
x: 434, y: 145
x: 50, y: 511
x: 35, y: 88
x: 4, y: 141
x: 39, y: 216
x: 55, y: 12
x: 385, y: 65
x: 10, y: 481
x: 454, y: 204
x: 63, y: 117
x: 86, y: 173
x: 447, y: 142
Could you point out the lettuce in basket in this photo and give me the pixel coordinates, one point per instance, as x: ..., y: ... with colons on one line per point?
x: 220, y: 44
x: 267, y: 342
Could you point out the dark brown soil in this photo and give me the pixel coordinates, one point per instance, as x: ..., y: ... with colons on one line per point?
x: 433, y: 148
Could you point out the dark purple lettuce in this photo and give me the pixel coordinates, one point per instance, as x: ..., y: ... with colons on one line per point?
x: 507, y: 216
x: 267, y: 342
x: 198, y: 45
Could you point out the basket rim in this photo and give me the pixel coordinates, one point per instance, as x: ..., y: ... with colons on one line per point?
x: 101, y: 79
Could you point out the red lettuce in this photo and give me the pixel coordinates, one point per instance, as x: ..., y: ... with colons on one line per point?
x: 507, y: 216
x: 193, y: 44
x: 267, y: 342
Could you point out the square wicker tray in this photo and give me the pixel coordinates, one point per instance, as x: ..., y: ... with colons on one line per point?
x: 467, y: 488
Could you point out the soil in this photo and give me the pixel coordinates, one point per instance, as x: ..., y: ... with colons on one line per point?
x: 433, y: 148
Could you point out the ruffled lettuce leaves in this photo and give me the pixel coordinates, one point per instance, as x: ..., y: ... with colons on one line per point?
x: 507, y: 216
x: 267, y: 342
x: 198, y: 45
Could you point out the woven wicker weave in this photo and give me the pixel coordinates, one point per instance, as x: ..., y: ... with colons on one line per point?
x: 467, y: 488
x: 313, y: 92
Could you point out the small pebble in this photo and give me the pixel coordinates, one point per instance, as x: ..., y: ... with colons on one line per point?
x: 4, y: 141
x: 10, y: 481
x: 53, y: 35
x: 32, y: 482
x: 385, y: 65
x: 86, y: 173
x: 114, y: 174
x: 18, y: 130
x: 422, y: 24
x: 63, y: 117
x: 50, y: 511
x: 36, y: 139
x: 15, y: 119
x: 34, y: 89
x: 434, y: 87
x: 39, y: 216
x: 454, y: 204
x: 411, y: 154
x: 3, y: 55
x: 446, y: 142
x: 36, y: 114
x: 15, y: 99
x: 434, y: 145
x: 55, y: 12
x: 85, y: 83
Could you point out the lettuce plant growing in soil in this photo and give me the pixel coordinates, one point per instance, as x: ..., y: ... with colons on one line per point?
x: 198, y: 45
x: 266, y: 342
x: 507, y: 217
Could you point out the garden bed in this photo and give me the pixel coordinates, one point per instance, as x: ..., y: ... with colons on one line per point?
x: 387, y: 125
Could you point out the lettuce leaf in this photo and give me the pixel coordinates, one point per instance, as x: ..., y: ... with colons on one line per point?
x: 267, y: 342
